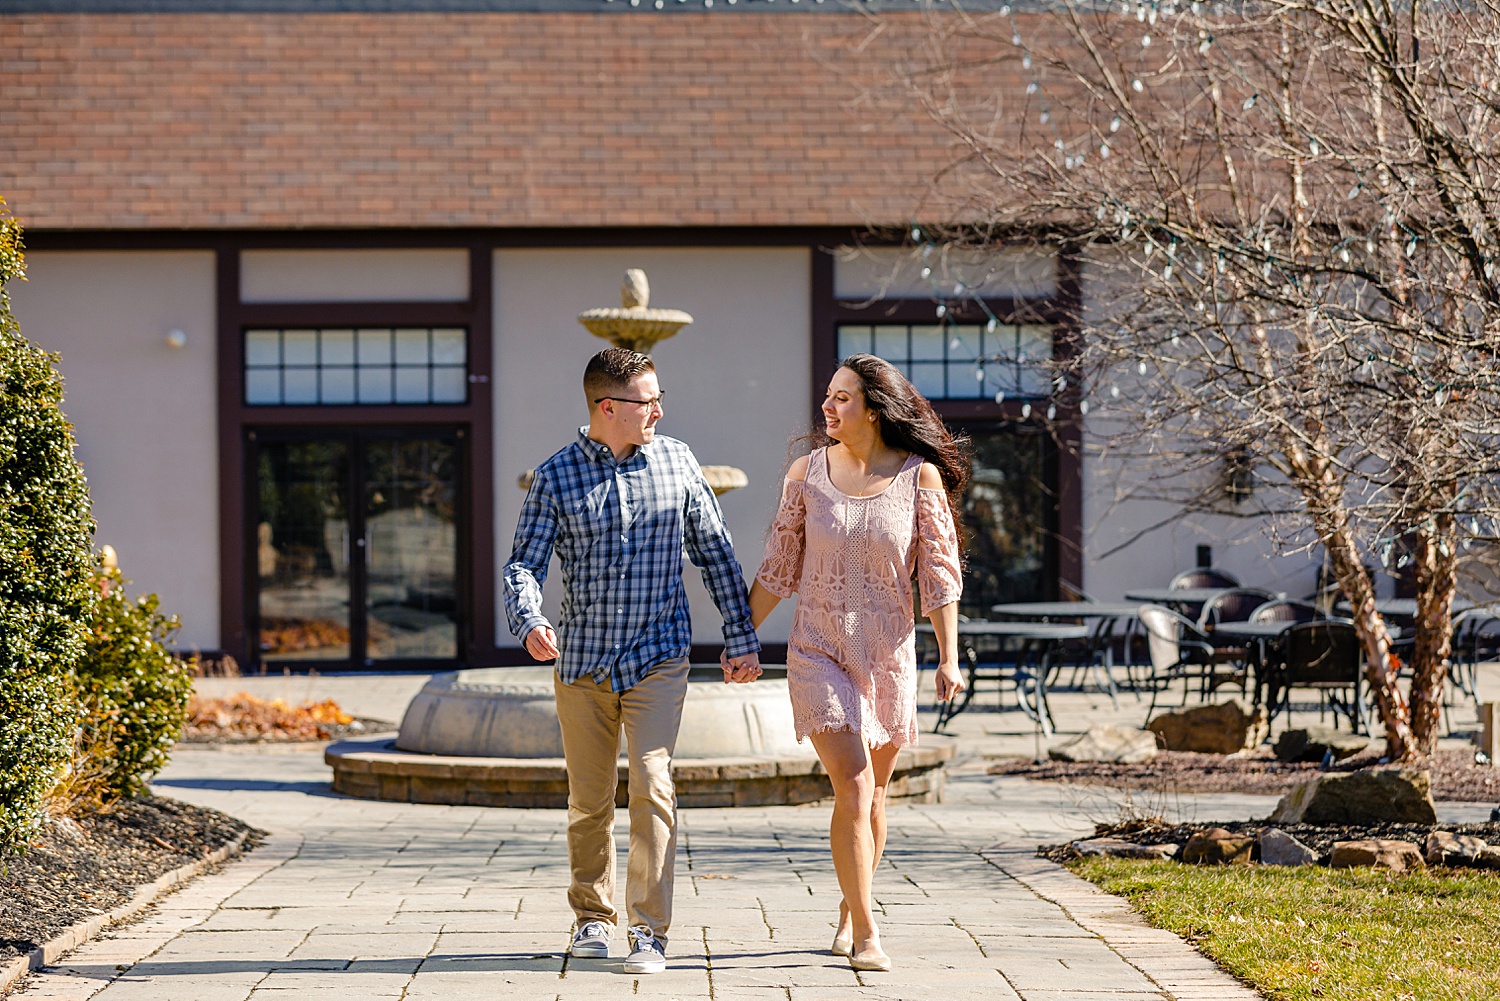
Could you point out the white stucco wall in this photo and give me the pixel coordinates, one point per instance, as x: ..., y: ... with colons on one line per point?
x: 1134, y: 543
x: 736, y: 381
x: 422, y: 275
x: 144, y: 412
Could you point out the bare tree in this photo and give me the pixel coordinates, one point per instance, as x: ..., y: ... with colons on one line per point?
x: 1299, y: 203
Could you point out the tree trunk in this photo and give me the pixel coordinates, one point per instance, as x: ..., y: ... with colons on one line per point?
x: 1381, y: 664
x: 1437, y: 578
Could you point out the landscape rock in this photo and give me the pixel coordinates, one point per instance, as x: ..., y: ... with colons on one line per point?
x: 1118, y: 848
x: 1222, y: 728
x: 1397, y: 856
x: 1121, y: 745
x: 1277, y: 847
x: 1489, y: 858
x: 1315, y: 742
x: 1367, y: 796
x: 1218, y: 847
x: 1445, y: 848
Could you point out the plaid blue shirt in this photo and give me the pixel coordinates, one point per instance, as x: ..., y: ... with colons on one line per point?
x: 619, y: 529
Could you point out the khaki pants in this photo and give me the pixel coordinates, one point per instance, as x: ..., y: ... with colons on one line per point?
x: 592, y: 717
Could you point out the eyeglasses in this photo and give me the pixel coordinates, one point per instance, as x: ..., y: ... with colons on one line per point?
x: 655, y: 401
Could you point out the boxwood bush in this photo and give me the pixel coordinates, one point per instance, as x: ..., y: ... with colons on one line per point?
x: 46, y: 579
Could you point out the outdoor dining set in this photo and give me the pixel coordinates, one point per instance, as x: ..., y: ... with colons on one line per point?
x: 1201, y: 632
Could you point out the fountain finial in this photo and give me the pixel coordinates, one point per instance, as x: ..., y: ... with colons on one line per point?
x: 635, y: 293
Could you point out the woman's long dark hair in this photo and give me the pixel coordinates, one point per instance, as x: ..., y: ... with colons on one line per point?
x: 909, y: 424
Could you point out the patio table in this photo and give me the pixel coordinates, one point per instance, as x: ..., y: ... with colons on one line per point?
x: 1038, y: 644
x: 1101, y: 642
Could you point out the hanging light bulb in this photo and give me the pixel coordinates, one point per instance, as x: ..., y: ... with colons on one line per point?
x: 1114, y: 124
x: 1026, y: 61
x: 1344, y: 254
x: 999, y: 396
x: 1114, y: 392
x: 1083, y: 407
x: 1141, y: 367
x: 942, y: 311
x: 1051, y: 411
x: 1249, y: 102
x: 989, y: 327
x: 1136, y: 85
x: 1026, y: 411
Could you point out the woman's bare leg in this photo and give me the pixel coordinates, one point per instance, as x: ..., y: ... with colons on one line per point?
x: 883, y: 765
x: 847, y: 762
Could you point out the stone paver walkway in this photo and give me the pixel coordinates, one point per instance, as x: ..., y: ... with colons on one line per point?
x: 356, y: 899
x: 375, y: 900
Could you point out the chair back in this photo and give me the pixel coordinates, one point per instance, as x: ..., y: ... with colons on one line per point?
x: 1163, y: 635
x: 1286, y: 610
x: 1234, y: 605
x: 1325, y: 652
x: 1204, y: 577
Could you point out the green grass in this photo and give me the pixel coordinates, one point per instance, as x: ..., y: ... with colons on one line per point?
x: 1333, y: 935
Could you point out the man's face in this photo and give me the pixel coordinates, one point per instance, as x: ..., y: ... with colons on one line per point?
x: 636, y: 422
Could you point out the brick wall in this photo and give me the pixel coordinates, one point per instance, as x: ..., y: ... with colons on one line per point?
x: 354, y: 120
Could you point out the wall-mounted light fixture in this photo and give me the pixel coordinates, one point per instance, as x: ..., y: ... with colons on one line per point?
x: 176, y: 339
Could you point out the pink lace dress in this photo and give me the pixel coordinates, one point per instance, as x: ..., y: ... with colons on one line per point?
x: 851, y: 656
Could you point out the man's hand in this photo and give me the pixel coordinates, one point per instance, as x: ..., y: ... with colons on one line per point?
x: 740, y: 670
x: 541, y: 643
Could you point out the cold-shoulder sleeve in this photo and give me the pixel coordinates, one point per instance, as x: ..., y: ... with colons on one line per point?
x: 939, y: 575
x: 781, y: 568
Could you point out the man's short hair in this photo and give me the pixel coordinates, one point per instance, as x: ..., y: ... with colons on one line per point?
x: 611, y: 370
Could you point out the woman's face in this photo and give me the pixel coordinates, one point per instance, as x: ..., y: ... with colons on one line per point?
x: 844, y: 410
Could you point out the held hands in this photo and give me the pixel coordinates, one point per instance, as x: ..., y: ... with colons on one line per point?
x: 949, y: 681
x: 541, y: 643
x: 740, y: 670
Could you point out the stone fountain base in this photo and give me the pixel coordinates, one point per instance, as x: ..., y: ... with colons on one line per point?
x: 490, y: 737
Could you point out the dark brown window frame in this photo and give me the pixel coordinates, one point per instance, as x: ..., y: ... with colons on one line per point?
x: 1062, y: 310
x: 473, y: 420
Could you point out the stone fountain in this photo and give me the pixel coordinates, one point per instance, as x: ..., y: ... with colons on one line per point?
x: 490, y: 736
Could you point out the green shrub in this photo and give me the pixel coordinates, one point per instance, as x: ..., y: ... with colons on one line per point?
x: 46, y: 590
x: 134, y: 693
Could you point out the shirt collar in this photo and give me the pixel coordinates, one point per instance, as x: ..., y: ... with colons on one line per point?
x: 599, y: 452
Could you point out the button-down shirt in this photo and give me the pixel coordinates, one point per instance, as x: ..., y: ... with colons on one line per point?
x: 619, y: 529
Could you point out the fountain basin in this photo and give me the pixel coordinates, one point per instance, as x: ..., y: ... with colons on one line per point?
x: 490, y: 737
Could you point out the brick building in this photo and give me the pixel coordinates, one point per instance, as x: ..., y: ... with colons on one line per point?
x: 313, y: 269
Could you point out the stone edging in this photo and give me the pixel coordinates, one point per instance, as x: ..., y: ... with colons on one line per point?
x: 373, y: 768
x: 1181, y: 971
x: 49, y: 952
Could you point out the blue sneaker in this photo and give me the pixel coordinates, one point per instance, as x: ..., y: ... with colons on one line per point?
x: 591, y: 941
x: 647, y: 954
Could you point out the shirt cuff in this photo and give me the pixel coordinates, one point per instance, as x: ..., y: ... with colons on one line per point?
x: 528, y: 624
x: 739, y: 644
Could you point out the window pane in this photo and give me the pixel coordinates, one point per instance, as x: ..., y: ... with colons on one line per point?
x: 337, y: 347
x: 263, y: 386
x: 449, y: 347
x: 962, y: 343
x: 890, y: 343
x: 853, y: 341
x: 262, y: 347
x: 963, y: 381
x: 1035, y: 344
x: 928, y: 378
x: 300, y: 386
x: 1005, y: 508
x: 374, y: 348
x: 374, y: 384
x: 299, y: 347
x: 411, y: 385
x: 927, y: 343
x: 411, y: 347
x: 338, y: 385
x: 450, y: 384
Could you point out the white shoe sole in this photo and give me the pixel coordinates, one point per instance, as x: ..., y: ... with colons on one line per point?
x: 590, y: 951
x: 648, y: 966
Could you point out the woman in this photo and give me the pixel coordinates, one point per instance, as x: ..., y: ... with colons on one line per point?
x: 859, y: 516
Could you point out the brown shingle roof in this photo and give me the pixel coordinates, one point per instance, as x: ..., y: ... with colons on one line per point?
x: 356, y: 120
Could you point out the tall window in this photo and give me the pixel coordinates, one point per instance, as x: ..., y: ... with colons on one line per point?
x: 959, y: 361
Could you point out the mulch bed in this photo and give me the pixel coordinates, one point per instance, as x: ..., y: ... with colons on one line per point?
x: 1320, y: 839
x: 75, y: 870
x: 1455, y: 776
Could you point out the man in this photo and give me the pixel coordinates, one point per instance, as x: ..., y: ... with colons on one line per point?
x: 619, y: 506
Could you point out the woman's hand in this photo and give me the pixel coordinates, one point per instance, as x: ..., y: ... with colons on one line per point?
x: 949, y: 681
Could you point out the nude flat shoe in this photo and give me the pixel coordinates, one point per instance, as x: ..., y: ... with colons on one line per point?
x: 871, y: 964
x: 841, y: 946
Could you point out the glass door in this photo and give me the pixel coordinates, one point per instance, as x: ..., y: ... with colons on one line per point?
x: 1009, y: 514
x: 356, y: 538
